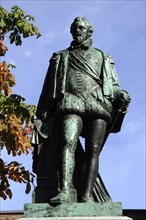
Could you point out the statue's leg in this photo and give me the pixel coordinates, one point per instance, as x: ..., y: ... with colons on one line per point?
x: 95, y: 134
x: 71, y: 129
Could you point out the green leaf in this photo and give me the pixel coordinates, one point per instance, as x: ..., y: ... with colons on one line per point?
x: 12, y: 38
x: 20, y: 25
x: 2, y: 23
x: 11, y: 65
x: 18, y: 40
x: 16, y: 15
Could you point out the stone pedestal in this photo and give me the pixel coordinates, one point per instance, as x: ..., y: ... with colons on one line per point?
x: 79, y: 218
x: 37, y: 210
x: 74, y: 211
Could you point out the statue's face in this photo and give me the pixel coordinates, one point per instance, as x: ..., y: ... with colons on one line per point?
x: 80, y: 31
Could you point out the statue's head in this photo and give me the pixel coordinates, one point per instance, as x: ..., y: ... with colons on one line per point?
x: 81, y: 29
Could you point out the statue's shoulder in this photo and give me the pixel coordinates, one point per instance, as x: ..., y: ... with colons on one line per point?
x: 97, y: 50
x: 106, y: 56
x: 59, y: 53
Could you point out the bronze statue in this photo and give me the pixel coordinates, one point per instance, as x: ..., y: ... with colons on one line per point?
x: 81, y: 96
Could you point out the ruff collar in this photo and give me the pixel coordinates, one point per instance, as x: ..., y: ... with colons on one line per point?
x: 85, y: 45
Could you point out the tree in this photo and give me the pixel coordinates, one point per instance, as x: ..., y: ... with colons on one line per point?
x: 15, y: 114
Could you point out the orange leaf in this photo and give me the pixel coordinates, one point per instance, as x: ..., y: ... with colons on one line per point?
x: 9, y: 90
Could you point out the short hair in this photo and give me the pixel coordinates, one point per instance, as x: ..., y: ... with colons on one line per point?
x: 82, y: 19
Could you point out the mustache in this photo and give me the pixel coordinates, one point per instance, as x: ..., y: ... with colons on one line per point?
x: 79, y: 34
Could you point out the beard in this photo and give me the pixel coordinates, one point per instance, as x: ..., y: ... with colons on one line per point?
x: 79, y: 39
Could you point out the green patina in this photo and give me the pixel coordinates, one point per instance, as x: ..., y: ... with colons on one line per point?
x: 73, y: 209
x: 81, y: 96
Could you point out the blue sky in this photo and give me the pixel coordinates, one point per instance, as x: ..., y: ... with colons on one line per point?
x: 119, y: 30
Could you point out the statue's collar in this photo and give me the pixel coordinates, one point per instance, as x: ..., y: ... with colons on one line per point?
x: 85, y: 45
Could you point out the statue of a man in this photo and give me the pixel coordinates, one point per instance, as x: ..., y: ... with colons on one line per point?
x: 81, y: 91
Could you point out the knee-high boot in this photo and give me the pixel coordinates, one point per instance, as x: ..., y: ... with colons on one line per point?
x: 71, y: 127
x: 90, y: 177
x: 67, y: 193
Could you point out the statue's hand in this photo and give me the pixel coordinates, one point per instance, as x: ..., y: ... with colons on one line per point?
x: 124, y: 97
x: 33, y: 118
x: 41, y: 116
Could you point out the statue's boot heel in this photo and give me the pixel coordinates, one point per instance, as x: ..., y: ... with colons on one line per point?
x: 87, y: 199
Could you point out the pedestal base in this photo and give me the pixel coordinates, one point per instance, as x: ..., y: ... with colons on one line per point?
x: 39, y: 210
x: 79, y: 218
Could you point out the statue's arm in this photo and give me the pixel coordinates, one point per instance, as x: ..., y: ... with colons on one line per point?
x: 120, y: 95
x: 47, y: 101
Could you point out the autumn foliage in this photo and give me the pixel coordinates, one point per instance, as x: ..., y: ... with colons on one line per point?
x: 15, y: 114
